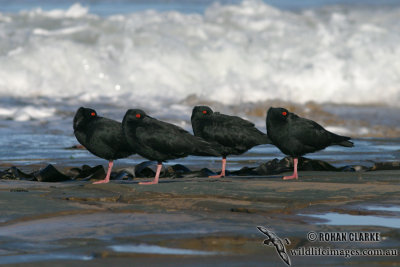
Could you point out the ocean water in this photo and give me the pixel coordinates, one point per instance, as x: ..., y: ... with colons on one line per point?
x: 337, y: 62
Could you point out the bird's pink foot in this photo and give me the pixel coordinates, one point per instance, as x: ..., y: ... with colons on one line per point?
x: 294, y: 176
x: 155, y: 181
x: 107, y: 179
x: 102, y: 181
x: 216, y: 176
x: 222, y: 174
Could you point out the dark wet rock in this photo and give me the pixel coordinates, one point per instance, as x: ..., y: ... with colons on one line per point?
x: 20, y: 174
x: 359, y: 168
x: 14, y: 173
x: 141, y: 169
x: 76, y: 147
x: 177, y: 171
x: 355, y: 168
x: 18, y: 190
x: 122, y: 175
x: 74, y: 172
x: 349, y: 168
x: 277, y: 166
x: 201, y: 173
x: 5, y: 175
x: 97, y: 173
x: 395, y: 165
x: 50, y: 174
x: 245, y: 171
x: 174, y: 171
x: 130, y: 171
x: 88, y: 173
x: 147, y: 173
x: 243, y: 210
x: 306, y: 164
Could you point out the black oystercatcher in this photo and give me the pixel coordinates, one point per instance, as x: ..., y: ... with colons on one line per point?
x: 229, y: 135
x: 296, y: 136
x: 102, y: 137
x: 161, y: 141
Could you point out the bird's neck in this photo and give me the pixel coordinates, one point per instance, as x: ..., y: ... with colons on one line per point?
x: 198, y: 126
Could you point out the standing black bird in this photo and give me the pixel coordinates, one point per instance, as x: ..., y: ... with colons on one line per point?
x: 229, y: 135
x: 102, y: 137
x: 296, y: 136
x: 161, y: 141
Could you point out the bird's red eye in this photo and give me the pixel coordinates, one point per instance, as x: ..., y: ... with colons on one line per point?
x: 284, y: 113
x: 204, y: 111
x: 138, y: 116
x: 93, y: 114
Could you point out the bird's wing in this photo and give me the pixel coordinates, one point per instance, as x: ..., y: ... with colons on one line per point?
x: 232, y: 130
x: 107, y: 131
x: 310, y: 133
x: 231, y: 120
x: 165, y: 137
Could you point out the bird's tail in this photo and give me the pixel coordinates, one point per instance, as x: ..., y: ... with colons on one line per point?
x: 203, y: 148
x: 343, y: 141
x: 259, y: 137
x: 266, y: 140
x: 346, y: 143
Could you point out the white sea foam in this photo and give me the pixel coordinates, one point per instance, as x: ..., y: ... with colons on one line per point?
x: 339, y: 130
x: 26, y: 113
x: 75, y: 11
x: 231, y: 53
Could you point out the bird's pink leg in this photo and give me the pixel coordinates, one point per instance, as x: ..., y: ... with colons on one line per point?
x: 155, y: 181
x: 294, y: 176
x: 107, y: 179
x: 222, y: 171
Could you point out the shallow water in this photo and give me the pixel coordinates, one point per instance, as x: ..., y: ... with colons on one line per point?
x: 385, y: 208
x: 386, y: 216
x: 31, y: 258
x: 152, y: 249
x: 64, y: 236
x: 332, y: 218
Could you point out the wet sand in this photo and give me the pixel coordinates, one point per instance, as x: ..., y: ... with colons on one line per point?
x: 191, y: 222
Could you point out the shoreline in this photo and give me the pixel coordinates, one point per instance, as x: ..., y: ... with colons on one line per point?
x: 199, y: 214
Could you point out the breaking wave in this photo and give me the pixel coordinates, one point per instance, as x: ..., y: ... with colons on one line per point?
x: 231, y: 53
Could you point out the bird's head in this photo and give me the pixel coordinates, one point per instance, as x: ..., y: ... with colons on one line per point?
x: 83, y: 116
x: 133, y: 116
x: 277, y: 114
x: 201, y: 112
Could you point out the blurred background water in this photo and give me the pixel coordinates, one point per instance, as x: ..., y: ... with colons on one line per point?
x: 336, y: 62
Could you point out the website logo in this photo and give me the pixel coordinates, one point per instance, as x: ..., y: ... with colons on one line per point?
x: 274, y: 240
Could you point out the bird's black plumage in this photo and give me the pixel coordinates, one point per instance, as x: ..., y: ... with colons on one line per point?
x: 229, y: 135
x: 101, y: 136
x: 161, y: 141
x: 296, y: 136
